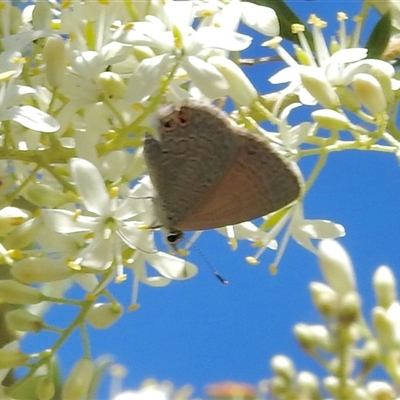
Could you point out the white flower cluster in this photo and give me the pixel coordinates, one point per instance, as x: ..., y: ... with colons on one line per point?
x: 343, y: 343
x: 79, y: 83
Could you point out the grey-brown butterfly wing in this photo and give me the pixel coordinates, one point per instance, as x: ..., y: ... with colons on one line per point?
x: 194, y: 148
x: 208, y: 173
x: 257, y: 182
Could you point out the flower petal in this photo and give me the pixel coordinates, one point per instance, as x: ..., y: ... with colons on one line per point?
x: 206, y: 77
x: 260, y: 18
x: 171, y: 267
x: 91, y: 186
x: 32, y: 118
x: 146, y: 79
x: 64, y: 221
x: 225, y: 39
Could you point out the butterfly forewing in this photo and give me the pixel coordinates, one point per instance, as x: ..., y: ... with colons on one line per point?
x: 208, y: 173
x: 256, y: 183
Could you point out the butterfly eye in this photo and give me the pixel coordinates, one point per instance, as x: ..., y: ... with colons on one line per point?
x: 174, y: 237
x: 184, y: 116
x: 169, y: 124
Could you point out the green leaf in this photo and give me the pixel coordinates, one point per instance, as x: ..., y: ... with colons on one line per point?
x: 379, y: 37
x: 286, y: 19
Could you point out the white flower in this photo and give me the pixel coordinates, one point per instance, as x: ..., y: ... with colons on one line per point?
x: 111, y: 224
x: 302, y: 230
x: 12, y: 94
x: 116, y: 224
x: 228, y: 15
x: 180, y: 46
x: 317, y: 79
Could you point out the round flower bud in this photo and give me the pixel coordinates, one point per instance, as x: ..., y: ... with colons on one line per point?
x: 379, y: 390
x: 370, y: 354
x: 22, y: 320
x: 55, y: 56
x: 370, y: 93
x: 336, y: 266
x: 385, y: 286
x: 349, y: 309
x: 283, y: 366
x: 45, y: 388
x: 38, y: 270
x: 103, y: 315
x: 315, y: 81
x: 307, y: 384
x: 78, y: 382
x: 16, y: 293
x: 333, y: 386
x: 142, y: 52
x: 331, y: 119
x: 112, y: 84
x: 12, y: 358
x: 324, y: 298
x: 312, y: 336
x: 279, y: 387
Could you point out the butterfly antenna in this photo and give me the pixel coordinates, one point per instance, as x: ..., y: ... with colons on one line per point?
x: 212, y: 268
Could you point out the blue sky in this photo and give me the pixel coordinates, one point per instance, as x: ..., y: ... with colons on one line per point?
x: 200, y: 331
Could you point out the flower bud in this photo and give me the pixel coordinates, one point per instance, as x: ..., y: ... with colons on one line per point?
x: 240, y: 87
x: 385, y: 286
x: 55, y: 56
x: 333, y: 386
x: 370, y: 93
x: 78, y: 382
x: 348, y: 99
x: 379, y: 390
x: 383, y: 72
x: 349, y: 308
x: 384, y: 327
x: 112, y: 84
x: 45, y: 196
x: 324, y: 298
x: 315, y: 81
x: 307, y: 384
x: 336, y: 266
x: 370, y: 354
x: 283, y: 366
x: 279, y: 387
x: 103, y: 315
x: 10, y: 218
x: 38, y: 270
x: 41, y: 15
x: 14, y: 21
x: 331, y: 119
x: 22, y: 235
x: 143, y: 52
x: 12, y: 358
x: 16, y: 293
x: 22, y: 320
x: 45, y: 388
x: 311, y: 336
